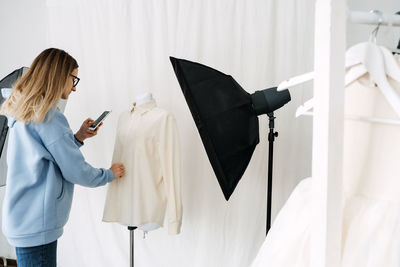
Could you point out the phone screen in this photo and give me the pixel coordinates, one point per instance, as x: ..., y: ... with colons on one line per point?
x: 99, y: 119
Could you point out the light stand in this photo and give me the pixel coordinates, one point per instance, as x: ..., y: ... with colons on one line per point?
x: 226, y: 117
x: 271, y: 139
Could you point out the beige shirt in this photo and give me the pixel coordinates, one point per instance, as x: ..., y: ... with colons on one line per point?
x: 147, y: 144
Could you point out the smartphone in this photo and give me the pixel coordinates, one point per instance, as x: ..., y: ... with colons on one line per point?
x: 97, y: 122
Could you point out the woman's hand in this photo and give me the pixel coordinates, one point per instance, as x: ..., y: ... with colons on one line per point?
x: 118, y: 169
x: 84, y: 131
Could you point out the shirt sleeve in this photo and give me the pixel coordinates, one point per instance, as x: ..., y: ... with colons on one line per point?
x: 170, y: 159
x: 73, y: 166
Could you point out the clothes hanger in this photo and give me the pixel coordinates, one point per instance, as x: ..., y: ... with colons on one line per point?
x: 296, y: 80
x: 305, y: 108
x: 357, y: 68
x: 378, y: 62
x: 355, y: 56
x: 391, y: 65
x: 373, y: 62
x: 352, y: 59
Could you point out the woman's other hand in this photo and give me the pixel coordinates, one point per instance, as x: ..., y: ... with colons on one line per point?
x: 84, y: 131
x: 118, y: 169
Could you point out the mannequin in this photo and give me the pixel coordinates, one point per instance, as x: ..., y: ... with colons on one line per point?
x: 141, y: 99
x: 147, y: 142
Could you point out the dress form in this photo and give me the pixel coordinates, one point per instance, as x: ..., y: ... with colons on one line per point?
x: 141, y: 99
x: 147, y: 143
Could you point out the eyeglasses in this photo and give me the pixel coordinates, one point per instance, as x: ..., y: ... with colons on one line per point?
x: 76, y: 80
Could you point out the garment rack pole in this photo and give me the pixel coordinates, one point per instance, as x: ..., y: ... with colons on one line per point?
x: 361, y: 17
x: 327, y: 141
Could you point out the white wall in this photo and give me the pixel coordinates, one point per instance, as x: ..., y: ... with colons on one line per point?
x: 23, y: 36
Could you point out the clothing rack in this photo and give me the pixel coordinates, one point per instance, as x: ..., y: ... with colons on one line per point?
x: 357, y: 17
x: 328, y: 121
x: 373, y: 18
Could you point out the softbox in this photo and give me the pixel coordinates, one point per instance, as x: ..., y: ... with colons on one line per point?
x: 224, y: 116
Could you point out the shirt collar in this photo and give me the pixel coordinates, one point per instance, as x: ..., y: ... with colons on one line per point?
x: 144, y: 107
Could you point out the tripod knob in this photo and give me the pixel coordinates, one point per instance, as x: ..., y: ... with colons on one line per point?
x: 276, y: 134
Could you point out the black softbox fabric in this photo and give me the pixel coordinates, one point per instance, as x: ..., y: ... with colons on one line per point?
x: 3, y: 132
x: 223, y: 113
x: 7, y: 82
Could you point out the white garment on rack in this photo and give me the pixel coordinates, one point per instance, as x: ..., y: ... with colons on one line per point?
x: 147, y: 144
x: 371, y: 215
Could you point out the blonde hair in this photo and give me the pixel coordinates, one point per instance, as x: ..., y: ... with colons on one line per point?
x: 40, y: 89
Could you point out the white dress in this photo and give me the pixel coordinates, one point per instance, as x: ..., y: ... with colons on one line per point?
x: 371, y: 180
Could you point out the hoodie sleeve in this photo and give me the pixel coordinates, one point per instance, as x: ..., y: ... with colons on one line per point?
x: 59, y: 140
x: 73, y: 166
x: 169, y: 149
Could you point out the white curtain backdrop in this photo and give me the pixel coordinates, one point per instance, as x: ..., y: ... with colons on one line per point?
x: 122, y: 48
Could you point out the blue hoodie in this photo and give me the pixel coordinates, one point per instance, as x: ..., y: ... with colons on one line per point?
x: 44, y: 163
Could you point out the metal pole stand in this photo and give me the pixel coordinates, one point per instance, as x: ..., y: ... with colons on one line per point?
x: 132, y: 244
x: 271, y: 138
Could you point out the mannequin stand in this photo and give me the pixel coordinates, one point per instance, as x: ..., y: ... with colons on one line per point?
x: 271, y: 139
x: 132, y: 244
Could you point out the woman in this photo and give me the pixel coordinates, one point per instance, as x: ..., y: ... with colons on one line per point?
x: 44, y: 160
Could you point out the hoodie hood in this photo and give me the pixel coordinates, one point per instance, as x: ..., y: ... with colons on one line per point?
x: 10, y: 121
x: 5, y: 92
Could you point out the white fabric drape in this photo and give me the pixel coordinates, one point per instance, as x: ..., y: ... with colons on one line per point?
x: 122, y: 48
